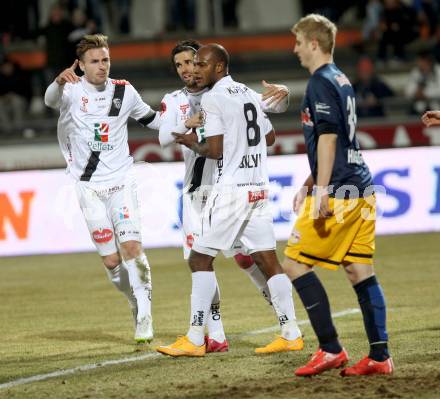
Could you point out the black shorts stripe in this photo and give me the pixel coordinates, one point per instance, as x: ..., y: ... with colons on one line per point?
x: 91, y: 166
x: 331, y: 262
x: 196, y: 179
x: 368, y: 256
x: 118, y: 97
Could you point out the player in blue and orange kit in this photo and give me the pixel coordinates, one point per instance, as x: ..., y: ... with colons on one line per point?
x: 336, y: 206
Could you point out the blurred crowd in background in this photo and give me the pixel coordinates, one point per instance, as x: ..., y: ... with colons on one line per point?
x: 395, y: 35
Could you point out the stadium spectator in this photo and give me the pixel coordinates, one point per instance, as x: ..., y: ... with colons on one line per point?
x: 423, y: 85
x: 398, y: 27
x: 15, y: 95
x: 92, y: 132
x: 58, y: 47
x: 333, y: 227
x: 241, y: 215
x: 81, y: 26
x: 181, y: 15
x: 370, y: 90
x: 427, y: 13
x: 436, y: 48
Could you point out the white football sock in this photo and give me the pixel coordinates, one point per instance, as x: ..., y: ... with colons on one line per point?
x: 281, y: 293
x: 140, y: 282
x: 119, y: 277
x: 203, y: 290
x: 214, y: 324
x: 259, y: 280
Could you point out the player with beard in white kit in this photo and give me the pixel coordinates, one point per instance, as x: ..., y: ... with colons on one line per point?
x: 236, y: 210
x: 92, y: 132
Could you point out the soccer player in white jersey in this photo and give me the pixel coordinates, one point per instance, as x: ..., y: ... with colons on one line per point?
x: 180, y: 113
x: 236, y: 211
x: 92, y: 131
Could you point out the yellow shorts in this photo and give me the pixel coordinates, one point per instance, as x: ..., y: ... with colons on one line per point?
x: 347, y: 236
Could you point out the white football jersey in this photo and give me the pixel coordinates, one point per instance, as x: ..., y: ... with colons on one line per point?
x: 92, y: 128
x: 233, y: 110
x: 176, y: 108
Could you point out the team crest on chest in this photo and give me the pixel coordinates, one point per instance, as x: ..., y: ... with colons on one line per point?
x: 117, y: 102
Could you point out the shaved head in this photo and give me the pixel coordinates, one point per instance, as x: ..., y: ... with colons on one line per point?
x: 211, y: 64
x: 218, y: 52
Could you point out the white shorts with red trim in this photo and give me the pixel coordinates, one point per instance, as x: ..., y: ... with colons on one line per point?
x: 111, y: 213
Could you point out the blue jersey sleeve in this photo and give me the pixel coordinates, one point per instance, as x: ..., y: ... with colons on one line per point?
x: 324, y: 105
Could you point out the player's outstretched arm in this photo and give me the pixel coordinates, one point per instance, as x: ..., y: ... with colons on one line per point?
x: 431, y: 118
x: 54, y: 92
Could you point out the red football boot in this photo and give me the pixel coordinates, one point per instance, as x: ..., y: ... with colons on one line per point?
x: 368, y: 366
x: 214, y: 346
x: 322, y: 361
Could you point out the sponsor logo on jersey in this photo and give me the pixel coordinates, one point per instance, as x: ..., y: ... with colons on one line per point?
x: 100, y: 142
x: 101, y: 132
x: 250, y: 161
x: 322, y: 108
x: 84, y: 101
x: 102, y: 235
x: 254, y: 196
x: 306, y: 118
x: 123, y: 213
x: 184, y: 108
x: 342, y: 80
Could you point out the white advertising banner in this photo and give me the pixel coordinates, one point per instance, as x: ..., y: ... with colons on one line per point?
x: 39, y: 212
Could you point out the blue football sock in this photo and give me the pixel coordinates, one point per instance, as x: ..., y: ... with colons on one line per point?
x: 372, y: 302
x: 315, y: 300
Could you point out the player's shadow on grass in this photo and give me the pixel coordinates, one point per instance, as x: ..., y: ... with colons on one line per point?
x: 93, y: 336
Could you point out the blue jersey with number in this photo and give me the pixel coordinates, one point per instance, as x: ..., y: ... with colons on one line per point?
x: 329, y: 107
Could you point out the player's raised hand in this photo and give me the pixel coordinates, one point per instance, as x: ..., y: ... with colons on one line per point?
x: 431, y: 118
x: 274, y: 93
x: 68, y: 75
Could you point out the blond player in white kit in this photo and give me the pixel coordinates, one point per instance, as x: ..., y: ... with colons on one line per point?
x: 180, y: 113
x: 92, y: 132
x: 236, y: 212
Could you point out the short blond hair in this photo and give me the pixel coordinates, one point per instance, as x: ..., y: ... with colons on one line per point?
x: 319, y: 28
x: 89, y: 42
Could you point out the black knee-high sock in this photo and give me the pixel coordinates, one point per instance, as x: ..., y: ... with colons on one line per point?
x: 372, y: 303
x: 315, y: 300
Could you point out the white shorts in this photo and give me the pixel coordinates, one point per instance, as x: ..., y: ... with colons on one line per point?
x: 111, y: 213
x: 193, y: 204
x: 236, y: 220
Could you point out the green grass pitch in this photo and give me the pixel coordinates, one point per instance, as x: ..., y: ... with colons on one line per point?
x: 60, y: 312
